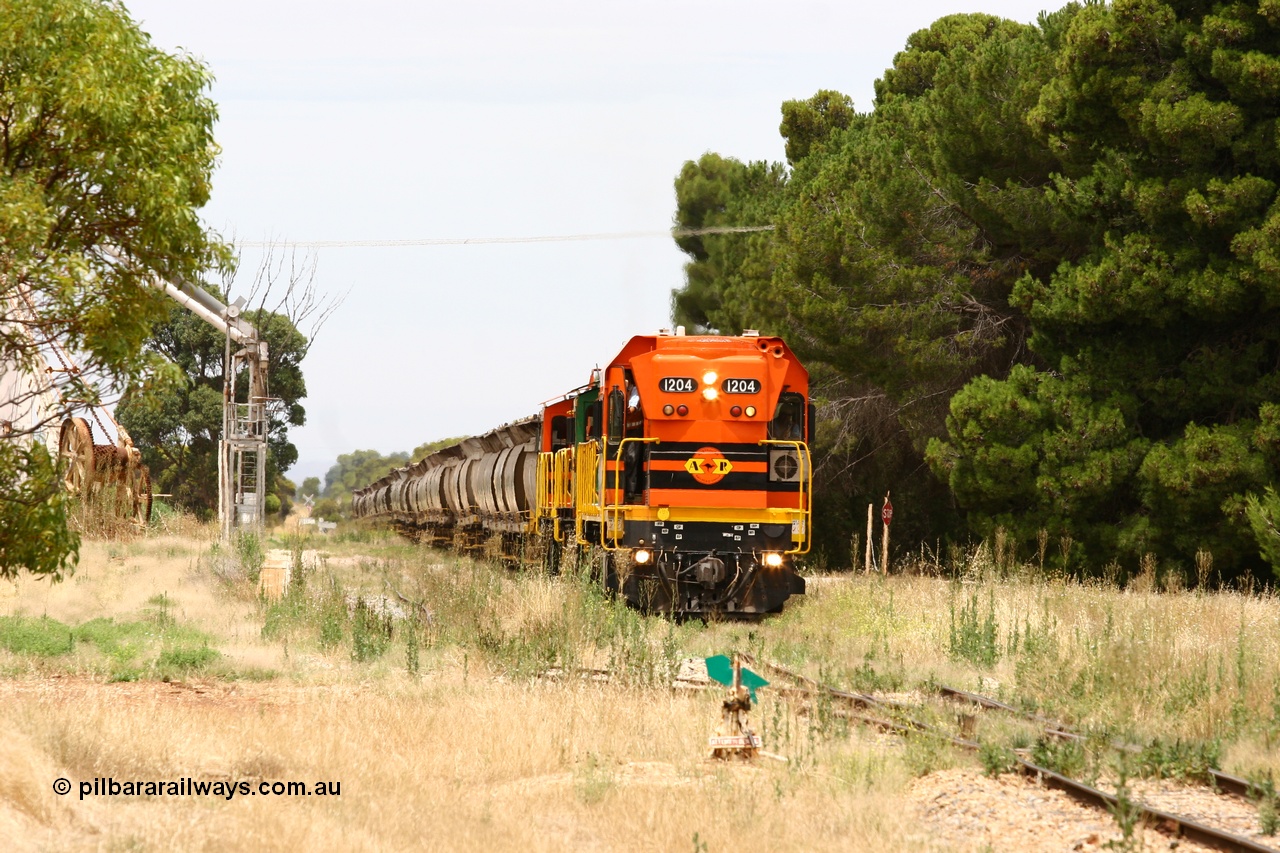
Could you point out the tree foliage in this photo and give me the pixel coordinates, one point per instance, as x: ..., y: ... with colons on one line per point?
x: 881, y: 273
x: 33, y: 528
x: 727, y: 274
x: 1045, y: 262
x: 1152, y: 416
x: 808, y: 125
x: 424, y: 450
x: 356, y: 470
x: 106, y: 154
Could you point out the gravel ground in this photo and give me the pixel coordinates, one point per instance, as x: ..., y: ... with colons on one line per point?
x: 974, y: 812
x: 1198, y: 803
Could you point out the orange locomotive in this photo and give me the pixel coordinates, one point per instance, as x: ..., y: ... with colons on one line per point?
x: 682, y: 469
x: 685, y: 462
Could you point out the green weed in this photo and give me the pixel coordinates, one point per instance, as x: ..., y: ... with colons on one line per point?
x: 1262, y: 791
x: 866, y: 678
x: 997, y: 759
x: 411, y: 659
x: 185, y: 660
x: 926, y: 753
x: 249, y: 553
x: 124, y: 645
x: 973, y: 638
x: 162, y: 606
x: 121, y: 641
x: 42, y: 637
x: 593, y: 781
x: 1128, y: 815
x: 1067, y: 757
x: 370, y: 632
x: 1185, y: 760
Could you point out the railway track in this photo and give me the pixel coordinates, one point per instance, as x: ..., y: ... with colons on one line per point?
x: 897, y: 723
x: 1221, y: 781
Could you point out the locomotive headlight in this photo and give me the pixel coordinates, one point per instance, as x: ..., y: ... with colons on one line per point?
x: 710, y: 393
x: 643, y: 556
x: 709, y: 378
x: 751, y: 411
x: 773, y: 559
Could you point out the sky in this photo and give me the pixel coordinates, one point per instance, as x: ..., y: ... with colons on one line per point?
x: 385, y: 121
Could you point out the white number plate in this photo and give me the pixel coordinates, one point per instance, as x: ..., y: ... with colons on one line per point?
x: 677, y: 385
x: 741, y: 386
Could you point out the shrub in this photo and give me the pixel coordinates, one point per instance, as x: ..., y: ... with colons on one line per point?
x: 185, y: 659
x: 974, y: 639
x: 43, y: 637
x: 997, y: 759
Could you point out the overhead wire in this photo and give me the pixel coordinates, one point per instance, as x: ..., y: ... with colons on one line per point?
x: 467, y: 241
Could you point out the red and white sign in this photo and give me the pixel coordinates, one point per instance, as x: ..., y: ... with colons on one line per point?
x: 886, y: 513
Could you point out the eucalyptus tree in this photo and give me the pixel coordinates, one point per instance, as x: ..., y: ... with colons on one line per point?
x: 106, y: 155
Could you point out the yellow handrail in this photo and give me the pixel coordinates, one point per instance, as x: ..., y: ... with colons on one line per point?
x: 561, y: 488
x: 545, y: 506
x: 586, y: 486
x: 555, y: 487
x: 618, y: 508
x: 563, y: 496
x: 806, y: 490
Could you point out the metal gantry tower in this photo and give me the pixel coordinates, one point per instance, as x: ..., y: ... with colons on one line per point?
x: 242, y: 453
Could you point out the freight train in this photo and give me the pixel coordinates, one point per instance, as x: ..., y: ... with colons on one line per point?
x: 681, y: 471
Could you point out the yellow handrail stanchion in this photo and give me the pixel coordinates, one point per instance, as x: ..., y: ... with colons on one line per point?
x: 586, y: 491
x: 806, y: 491
x: 545, y: 507
x: 619, y: 509
x: 561, y: 496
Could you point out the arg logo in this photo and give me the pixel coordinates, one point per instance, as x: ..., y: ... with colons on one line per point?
x: 708, y: 466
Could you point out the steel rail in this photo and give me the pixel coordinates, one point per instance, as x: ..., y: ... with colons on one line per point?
x: 1160, y: 820
x: 1222, y: 781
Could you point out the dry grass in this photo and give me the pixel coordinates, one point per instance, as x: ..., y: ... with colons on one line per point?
x: 446, y: 765
x: 1178, y: 665
x: 469, y: 753
x: 123, y: 580
x: 451, y: 740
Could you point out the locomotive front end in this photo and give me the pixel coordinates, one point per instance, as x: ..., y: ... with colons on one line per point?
x: 692, y: 476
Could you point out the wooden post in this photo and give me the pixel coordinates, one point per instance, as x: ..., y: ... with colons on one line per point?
x: 871, y: 514
x: 884, y: 544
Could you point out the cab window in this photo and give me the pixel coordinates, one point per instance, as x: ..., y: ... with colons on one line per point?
x: 634, y: 416
x: 560, y: 431
x: 595, y: 418
x: 615, y: 415
x: 788, y: 418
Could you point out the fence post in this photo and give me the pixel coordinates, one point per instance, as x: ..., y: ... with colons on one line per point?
x: 884, y: 541
x: 871, y: 514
